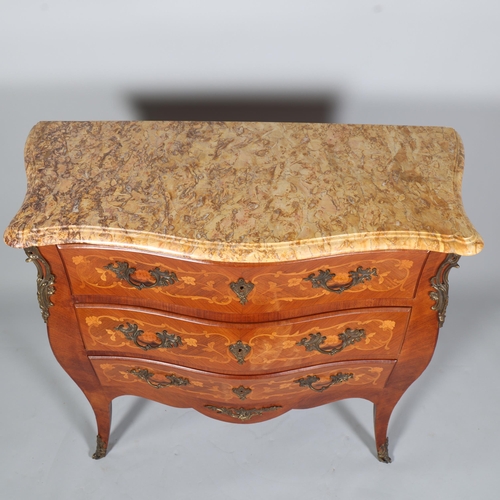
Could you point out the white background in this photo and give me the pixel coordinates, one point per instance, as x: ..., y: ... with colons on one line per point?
x: 399, y: 62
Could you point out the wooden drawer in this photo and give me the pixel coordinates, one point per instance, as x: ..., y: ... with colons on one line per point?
x: 245, y: 398
x: 194, y: 287
x: 252, y: 348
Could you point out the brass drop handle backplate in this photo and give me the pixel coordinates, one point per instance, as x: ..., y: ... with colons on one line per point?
x: 147, y: 376
x: 358, y: 276
x: 347, y: 338
x: 334, y: 380
x: 124, y: 272
x: 167, y: 340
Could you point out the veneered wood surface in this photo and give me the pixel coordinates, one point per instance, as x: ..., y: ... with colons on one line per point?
x: 278, y: 389
x: 416, y: 352
x: 273, y: 346
x: 385, y: 391
x: 204, y: 287
x: 67, y: 345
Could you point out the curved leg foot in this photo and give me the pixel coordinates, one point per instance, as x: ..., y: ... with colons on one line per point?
x: 101, y: 448
x: 383, y: 452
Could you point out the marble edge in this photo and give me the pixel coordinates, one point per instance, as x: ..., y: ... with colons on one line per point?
x: 184, y: 248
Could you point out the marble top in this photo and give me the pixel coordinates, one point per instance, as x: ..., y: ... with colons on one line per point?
x: 246, y: 192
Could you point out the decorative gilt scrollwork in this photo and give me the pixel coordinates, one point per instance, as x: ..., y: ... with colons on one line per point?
x: 240, y: 351
x: 383, y: 453
x: 242, y: 288
x: 242, y: 392
x: 44, y: 281
x: 147, y: 376
x: 167, y: 340
x: 347, y: 338
x: 441, y: 285
x: 334, y: 380
x: 242, y: 413
x: 124, y: 272
x: 359, y: 276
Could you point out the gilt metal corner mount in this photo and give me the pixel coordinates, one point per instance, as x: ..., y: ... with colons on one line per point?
x: 441, y: 286
x: 44, y: 281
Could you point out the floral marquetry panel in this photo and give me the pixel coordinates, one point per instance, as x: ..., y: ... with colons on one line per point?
x: 276, y: 287
x: 271, y: 346
x: 282, y: 388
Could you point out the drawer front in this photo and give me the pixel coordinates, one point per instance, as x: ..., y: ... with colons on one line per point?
x: 241, y: 289
x: 234, y: 398
x: 251, y: 348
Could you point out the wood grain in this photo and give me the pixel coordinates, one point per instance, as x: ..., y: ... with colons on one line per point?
x: 274, y: 346
x: 401, y: 332
x: 204, y: 287
x: 279, y: 389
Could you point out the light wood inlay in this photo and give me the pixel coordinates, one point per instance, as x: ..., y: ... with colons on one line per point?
x: 278, y: 287
x: 274, y: 346
x: 271, y: 389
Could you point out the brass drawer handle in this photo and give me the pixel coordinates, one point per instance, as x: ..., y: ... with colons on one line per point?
x: 242, y: 413
x: 347, y: 338
x: 124, y: 272
x: 359, y: 276
x: 147, y: 376
x: 167, y: 340
x: 334, y: 380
